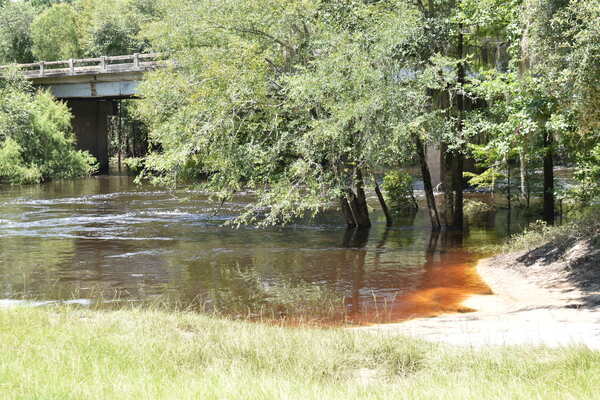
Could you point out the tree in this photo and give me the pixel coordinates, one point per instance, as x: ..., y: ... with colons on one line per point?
x: 36, y: 138
x: 219, y: 114
x: 54, y: 34
x: 40, y: 4
x: 15, y: 32
x: 319, y: 108
x: 112, y: 27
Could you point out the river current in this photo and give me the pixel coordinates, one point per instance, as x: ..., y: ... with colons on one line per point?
x: 104, y: 240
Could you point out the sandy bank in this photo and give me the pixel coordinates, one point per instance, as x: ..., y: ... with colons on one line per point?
x: 520, y: 311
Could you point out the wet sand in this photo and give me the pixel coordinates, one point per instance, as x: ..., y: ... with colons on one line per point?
x: 519, y: 312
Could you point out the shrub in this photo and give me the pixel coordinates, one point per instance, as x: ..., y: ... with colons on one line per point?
x: 36, y: 138
x: 475, y: 208
x: 584, y: 225
x: 398, y: 188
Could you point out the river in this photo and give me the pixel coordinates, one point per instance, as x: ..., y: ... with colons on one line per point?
x: 105, y: 241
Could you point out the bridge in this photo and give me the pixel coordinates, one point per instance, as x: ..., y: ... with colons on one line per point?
x: 92, y: 87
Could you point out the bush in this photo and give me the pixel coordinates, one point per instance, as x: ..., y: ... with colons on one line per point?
x: 475, y: 208
x: 36, y: 138
x: 398, y: 188
x: 584, y: 224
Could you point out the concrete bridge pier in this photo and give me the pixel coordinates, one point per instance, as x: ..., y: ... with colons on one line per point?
x: 90, y: 123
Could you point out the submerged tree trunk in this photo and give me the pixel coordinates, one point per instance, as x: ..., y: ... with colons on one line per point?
x: 458, y: 188
x: 447, y: 167
x: 358, y: 213
x: 457, y: 175
x: 389, y: 221
x: 427, y: 186
x: 361, y: 214
x: 453, y: 189
x: 347, y: 213
x: 548, y: 178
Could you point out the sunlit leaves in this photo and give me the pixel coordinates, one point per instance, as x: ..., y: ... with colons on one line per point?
x: 36, y: 138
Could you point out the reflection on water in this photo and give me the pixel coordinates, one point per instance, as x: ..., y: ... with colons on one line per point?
x: 105, y: 237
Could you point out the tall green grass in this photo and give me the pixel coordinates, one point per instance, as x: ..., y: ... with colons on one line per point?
x: 67, y: 353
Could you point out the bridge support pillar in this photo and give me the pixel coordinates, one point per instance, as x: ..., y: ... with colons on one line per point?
x: 90, y: 123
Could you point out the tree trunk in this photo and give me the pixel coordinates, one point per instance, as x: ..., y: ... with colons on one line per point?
x: 508, y: 194
x: 362, y: 217
x: 548, y: 178
x: 358, y: 214
x: 457, y: 175
x: 347, y: 213
x: 458, y: 188
x: 523, y: 171
x: 453, y: 189
x: 448, y: 185
x: 427, y: 186
x: 389, y: 221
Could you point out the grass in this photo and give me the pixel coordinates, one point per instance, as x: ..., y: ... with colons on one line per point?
x: 584, y: 225
x: 69, y: 353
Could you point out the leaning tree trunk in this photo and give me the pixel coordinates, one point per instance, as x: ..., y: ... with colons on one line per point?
x: 548, y: 178
x: 427, y: 186
x: 358, y: 213
x: 347, y: 212
x: 389, y: 221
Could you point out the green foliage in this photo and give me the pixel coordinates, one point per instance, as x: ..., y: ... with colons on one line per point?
x: 54, y: 34
x: 474, y: 208
x: 47, y: 3
x: 584, y: 224
x: 57, y: 29
x: 36, y: 140
x: 229, y: 124
x: 15, y: 33
x: 588, y: 175
x: 398, y: 188
x: 295, y: 98
x: 112, y: 27
x: 270, y: 97
x: 12, y: 167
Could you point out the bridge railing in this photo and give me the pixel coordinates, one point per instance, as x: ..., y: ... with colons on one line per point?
x: 85, y: 66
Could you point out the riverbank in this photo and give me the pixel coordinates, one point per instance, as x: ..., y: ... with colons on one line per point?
x: 545, y: 291
x: 65, y: 352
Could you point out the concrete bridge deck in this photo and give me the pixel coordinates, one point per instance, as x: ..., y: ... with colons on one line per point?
x: 91, y: 78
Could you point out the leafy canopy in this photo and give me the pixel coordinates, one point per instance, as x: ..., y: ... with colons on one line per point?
x: 36, y: 138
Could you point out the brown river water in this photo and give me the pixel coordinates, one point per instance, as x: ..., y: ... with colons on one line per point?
x: 106, y: 242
